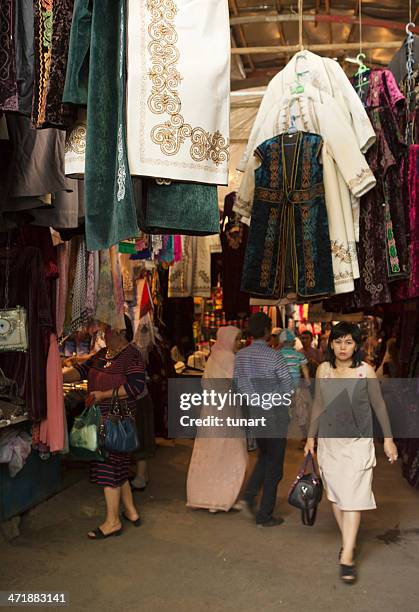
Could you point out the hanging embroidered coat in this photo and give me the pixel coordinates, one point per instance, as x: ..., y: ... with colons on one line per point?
x: 8, y: 84
x: 178, y: 89
x: 345, y: 171
x: 288, y: 249
x: 410, y: 287
x: 52, y: 24
x: 383, y: 251
x: 96, y: 75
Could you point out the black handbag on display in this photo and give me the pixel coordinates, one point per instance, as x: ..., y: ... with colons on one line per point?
x: 120, y: 429
x: 306, y: 492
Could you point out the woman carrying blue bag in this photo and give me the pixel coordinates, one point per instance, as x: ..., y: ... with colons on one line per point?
x: 116, y: 378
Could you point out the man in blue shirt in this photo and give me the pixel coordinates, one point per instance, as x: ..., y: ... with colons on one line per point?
x: 261, y: 371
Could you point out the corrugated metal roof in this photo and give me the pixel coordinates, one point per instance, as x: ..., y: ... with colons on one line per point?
x: 256, y: 69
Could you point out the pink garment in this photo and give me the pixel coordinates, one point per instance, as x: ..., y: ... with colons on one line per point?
x: 410, y: 288
x: 52, y: 432
x: 63, y: 258
x: 216, y: 472
x: 218, y: 464
x: 177, y: 245
x: 413, y: 290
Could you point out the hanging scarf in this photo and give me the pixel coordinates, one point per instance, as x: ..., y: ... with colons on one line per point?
x: 106, y: 310
x: 79, y: 313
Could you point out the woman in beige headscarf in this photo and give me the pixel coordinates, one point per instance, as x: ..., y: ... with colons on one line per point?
x: 218, y: 463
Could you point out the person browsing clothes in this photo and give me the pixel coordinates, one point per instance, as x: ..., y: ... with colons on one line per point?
x: 118, y: 366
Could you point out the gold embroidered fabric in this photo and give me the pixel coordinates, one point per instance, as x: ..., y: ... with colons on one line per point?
x: 76, y: 140
x: 165, y: 97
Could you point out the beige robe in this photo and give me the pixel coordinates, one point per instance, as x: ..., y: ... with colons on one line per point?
x: 345, y: 171
x: 192, y: 275
x: 321, y: 73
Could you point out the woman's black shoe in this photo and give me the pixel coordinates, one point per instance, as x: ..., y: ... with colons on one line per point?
x: 348, y: 573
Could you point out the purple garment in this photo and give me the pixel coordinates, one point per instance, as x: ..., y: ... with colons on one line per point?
x: 52, y: 37
x: 410, y: 288
x: 28, y: 288
x: 383, y: 251
x: 233, y: 241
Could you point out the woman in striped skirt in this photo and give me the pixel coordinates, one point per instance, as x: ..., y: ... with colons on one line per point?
x: 118, y: 366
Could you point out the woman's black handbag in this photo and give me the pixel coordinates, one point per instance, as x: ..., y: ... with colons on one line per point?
x: 306, y: 492
x: 120, y: 430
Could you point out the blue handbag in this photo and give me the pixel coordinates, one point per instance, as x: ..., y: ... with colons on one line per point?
x: 120, y: 430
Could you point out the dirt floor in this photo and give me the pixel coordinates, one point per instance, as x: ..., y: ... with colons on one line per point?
x: 185, y: 560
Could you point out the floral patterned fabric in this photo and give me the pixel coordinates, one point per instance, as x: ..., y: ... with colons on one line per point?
x: 51, y: 36
x: 8, y: 85
x: 383, y: 250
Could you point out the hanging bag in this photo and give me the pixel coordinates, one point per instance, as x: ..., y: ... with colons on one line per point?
x: 306, y: 492
x: 120, y: 429
x: 85, y: 435
x: 13, y: 321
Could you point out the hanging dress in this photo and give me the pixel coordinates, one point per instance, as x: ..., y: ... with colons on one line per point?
x: 96, y: 76
x: 288, y: 249
x: 178, y: 89
x: 345, y: 171
x: 52, y: 24
x: 383, y: 251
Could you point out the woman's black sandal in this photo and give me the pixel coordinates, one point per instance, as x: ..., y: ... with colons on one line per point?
x: 348, y: 573
x: 136, y: 523
x: 99, y: 535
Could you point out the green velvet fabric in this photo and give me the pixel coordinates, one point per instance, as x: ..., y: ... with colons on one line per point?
x: 109, y: 201
x: 77, y: 75
x: 179, y: 208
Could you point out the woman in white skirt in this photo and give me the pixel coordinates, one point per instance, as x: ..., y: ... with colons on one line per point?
x: 346, y: 388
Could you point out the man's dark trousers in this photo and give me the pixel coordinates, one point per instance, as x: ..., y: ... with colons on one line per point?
x: 267, y: 474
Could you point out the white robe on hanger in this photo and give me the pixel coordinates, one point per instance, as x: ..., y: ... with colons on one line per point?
x: 324, y: 74
x: 345, y: 171
x: 321, y: 73
x: 191, y: 276
x: 178, y: 89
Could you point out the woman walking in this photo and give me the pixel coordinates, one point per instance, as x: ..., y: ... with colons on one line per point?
x: 118, y: 366
x: 346, y: 388
x: 218, y: 464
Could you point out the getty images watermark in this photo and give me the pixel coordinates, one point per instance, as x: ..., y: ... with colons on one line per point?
x: 349, y: 408
x: 218, y: 401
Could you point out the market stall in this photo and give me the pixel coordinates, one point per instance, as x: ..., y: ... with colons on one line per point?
x: 119, y: 194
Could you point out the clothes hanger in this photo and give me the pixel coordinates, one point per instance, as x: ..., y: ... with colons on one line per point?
x: 362, y: 67
x: 291, y: 131
x: 363, y: 81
